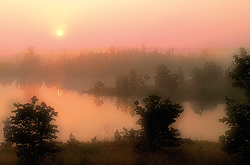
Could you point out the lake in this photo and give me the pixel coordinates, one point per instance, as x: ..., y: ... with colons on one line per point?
x: 87, y: 116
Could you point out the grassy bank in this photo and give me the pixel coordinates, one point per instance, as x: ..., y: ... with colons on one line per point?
x: 121, y: 152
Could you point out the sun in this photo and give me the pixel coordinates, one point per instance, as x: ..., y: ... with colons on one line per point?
x: 59, y: 32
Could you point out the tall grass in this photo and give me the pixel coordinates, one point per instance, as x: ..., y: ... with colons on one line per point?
x: 121, y: 152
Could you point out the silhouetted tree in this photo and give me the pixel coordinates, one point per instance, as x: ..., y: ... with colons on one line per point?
x: 241, y: 72
x: 155, y: 120
x: 237, y: 139
x: 30, y: 129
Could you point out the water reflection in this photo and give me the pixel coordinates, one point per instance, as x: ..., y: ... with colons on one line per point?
x: 88, y: 116
x: 98, y: 101
x: 7, y: 80
x: 31, y: 87
x: 76, y: 113
x: 203, y: 126
x: 203, y: 105
x: 126, y: 105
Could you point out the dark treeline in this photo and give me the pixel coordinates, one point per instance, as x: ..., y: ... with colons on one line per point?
x: 105, y: 64
x: 200, y: 78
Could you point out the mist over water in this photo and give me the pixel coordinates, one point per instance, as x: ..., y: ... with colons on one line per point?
x: 94, y: 93
x: 204, y: 126
x: 124, y: 82
x: 79, y: 114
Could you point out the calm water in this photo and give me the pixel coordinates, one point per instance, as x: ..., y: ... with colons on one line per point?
x: 88, y: 116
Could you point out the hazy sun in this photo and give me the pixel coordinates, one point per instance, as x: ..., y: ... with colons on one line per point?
x: 59, y: 32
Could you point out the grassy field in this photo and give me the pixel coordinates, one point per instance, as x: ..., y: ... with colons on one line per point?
x: 121, y: 152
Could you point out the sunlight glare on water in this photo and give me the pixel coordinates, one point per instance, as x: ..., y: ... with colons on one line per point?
x: 78, y: 114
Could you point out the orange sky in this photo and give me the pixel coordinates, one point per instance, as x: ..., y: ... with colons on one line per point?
x: 124, y: 23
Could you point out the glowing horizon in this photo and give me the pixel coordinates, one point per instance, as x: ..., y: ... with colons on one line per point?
x: 97, y: 23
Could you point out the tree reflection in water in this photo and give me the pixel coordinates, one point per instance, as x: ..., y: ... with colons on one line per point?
x: 31, y: 87
x: 126, y: 105
x: 98, y: 101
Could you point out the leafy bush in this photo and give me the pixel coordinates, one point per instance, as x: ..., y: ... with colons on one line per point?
x: 155, y: 120
x: 30, y: 129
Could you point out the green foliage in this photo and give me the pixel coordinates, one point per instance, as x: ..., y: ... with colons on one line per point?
x: 155, y: 120
x: 30, y: 129
x: 237, y: 139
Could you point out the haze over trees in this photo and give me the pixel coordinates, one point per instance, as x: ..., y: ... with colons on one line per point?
x: 208, y: 74
x: 33, y: 134
x: 195, y: 77
x: 104, y: 64
x: 131, y: 83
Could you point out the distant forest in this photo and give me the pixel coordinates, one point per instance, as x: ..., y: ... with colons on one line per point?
x: 128, y: 72
x: 107, y: 64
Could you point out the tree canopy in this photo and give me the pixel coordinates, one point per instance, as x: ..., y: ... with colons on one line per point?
x: 31, y: 130
x: 155, y: 120
x: 241, y: 72
x: 237, y: 139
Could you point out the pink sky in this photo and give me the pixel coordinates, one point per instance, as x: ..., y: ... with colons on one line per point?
x: 124, y: 23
